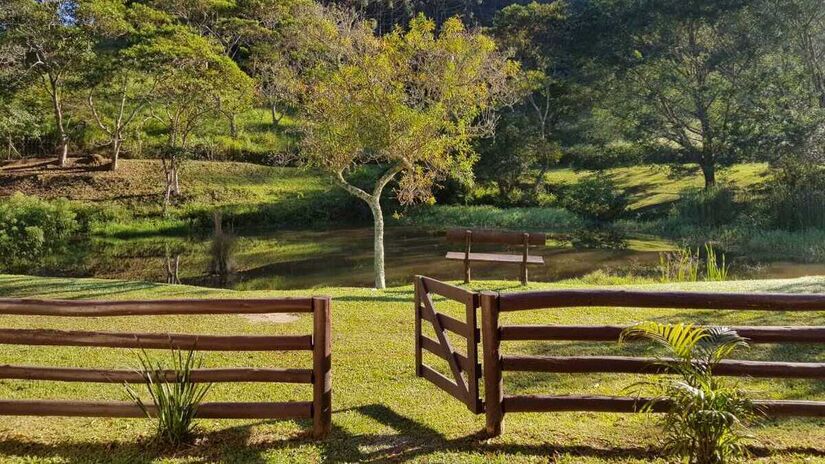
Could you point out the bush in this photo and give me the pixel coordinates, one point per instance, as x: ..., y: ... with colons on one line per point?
x: 596, y: 197
x: 175, y: 400
x: 795, y: 200
x: 706, y: 421
x: 445, y: 216
x: 32, y: 229
x: 712, y: 207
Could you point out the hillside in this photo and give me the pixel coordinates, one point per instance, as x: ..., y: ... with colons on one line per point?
x: 652, y: 185
x: 139, y: 183
x: 250, y: 194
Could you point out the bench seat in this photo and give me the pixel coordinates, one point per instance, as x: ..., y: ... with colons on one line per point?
x: 494, y: 258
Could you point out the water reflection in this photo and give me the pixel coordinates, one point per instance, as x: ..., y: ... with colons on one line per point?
x: 304, y: 259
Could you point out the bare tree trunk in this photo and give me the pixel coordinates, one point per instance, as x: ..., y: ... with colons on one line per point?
x: 709, y: 173
x: 378, y: 242
x: 116, y: 142
x: 63, y: 153
x: 233, y: 126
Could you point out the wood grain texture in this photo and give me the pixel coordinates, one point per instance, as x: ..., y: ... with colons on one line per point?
x: 92, y: 308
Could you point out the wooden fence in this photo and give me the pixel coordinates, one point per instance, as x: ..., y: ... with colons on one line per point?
x: 319, y: 343
x: 496, y: 403
x: 465, y: 368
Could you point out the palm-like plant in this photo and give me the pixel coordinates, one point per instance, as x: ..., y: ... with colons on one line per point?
x: 707, y: 420
x: 175, y: 399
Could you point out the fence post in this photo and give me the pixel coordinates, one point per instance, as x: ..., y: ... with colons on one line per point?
x: 472, y: 353
x: 321, y: 363
x: 525, y: 254
x: 493, y: 385
x: 418, y: 284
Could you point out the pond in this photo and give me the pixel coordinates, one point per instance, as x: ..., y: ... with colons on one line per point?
x: 296, y: 259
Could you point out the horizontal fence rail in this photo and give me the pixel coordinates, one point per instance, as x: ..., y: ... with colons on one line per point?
x: 674, y: 300
x: 319, y: 409
x: 495, y: 363
x: 605, y: 333
x: 90, y: 308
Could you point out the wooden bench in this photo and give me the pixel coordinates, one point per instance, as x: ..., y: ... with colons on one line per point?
x: 468, y: 237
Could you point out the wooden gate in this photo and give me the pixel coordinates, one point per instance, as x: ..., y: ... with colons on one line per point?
x: 465, y: 368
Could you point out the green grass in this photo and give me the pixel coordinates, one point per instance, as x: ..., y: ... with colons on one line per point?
x: 248, y: 194
x: 444, y: 216
x: 651, y: 185
x: 382, y: 412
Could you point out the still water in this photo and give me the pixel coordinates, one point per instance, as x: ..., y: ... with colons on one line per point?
x: 292, y: 259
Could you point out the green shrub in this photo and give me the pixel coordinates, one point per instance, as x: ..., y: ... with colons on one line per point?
x: 175, y: 400
x: 442, y: 216
x: 712, y: 207
x: 596, y: 197
x: 795, y: 199
x: 706, y: 421
x: 32, y: 229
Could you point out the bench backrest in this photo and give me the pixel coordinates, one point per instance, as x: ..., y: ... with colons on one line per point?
x: 495, y: 236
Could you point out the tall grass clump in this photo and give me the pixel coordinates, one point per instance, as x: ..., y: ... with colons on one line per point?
x: 176, y: 399
x: 685, y: 265
x: 681, y: 265
x: 716, y: 270
x: 706, y: 421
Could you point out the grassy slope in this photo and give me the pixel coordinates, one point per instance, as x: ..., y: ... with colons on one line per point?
x: 651, y: 185
x: 382, y: 412
x: 139, y: 183
x: 135, y: 191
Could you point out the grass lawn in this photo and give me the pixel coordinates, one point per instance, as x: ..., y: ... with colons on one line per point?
x: 382, y: 412
x: 651, y: 185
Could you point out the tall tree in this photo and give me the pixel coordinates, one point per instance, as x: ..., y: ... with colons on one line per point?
x: 409, y: 103
x: 804, y: 22
x: 56, y: 47
x: 541, y: 37
x: 194, y: 78
x: 118, y: 88
x: 690, y: 85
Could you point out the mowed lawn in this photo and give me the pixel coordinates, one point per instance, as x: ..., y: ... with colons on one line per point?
x: 382, y: 412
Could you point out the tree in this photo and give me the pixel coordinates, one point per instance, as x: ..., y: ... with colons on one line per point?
x: 194, y: 79
x: 118, y: 89
x: 691, y: 82
x: 804, y: 22
x: 16, y: 121
x: 541, y: 37
x: 409, y: 103
x: 296, y: 36
x: 56, y: 48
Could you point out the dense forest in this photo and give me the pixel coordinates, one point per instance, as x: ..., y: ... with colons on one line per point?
x: 450, y: 102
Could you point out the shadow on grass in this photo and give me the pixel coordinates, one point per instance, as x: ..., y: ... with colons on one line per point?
x: 411, y: 441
